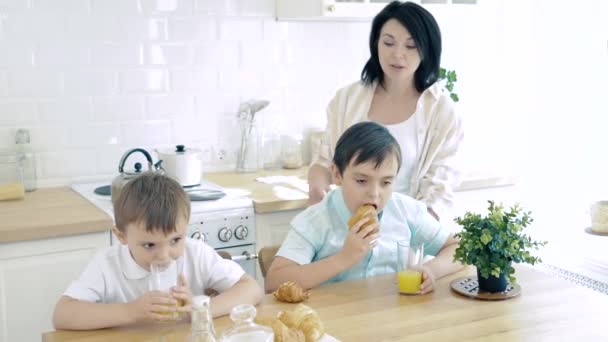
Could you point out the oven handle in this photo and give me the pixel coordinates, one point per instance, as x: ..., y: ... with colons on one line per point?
x: 243, y: 257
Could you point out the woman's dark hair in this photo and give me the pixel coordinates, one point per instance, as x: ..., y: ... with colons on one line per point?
x: 424, y: 31
x: 366, y: 141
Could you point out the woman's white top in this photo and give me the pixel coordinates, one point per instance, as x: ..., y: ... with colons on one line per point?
x: 405, y: 134
x: 439, y: 134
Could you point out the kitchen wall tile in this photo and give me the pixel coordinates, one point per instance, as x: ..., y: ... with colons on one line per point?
x: 122, y: 7
x: 112, y: 54
x: 224, y: 55
x: 61, y: 5
x: 150, y: 80
x: 65, y: 110
x: 23, y: 27
x: 256, y: 54
x: 241, y: 29
x: 3, y: 84
x: 117, y: 109
x: 169, y: 106
x: 277, y: 31
x: 143, y: 29
x: 194, y: 80
x: 17, y: 112
x: 191, y: 131
x: 209, y: 105
x: 10, y: 5
x: 61, y: 55
x: 146, y: 133
x: 95, y: 28
x: 97, y: 83
x: 95, y: 135
x: 241, y: 79
x: 15, y: 54
x: 107, y: 159
x: 7, y: 138
x: 192, y: 29
x: 151, y: 7
x: 168, y: 54
x: 34, y: 83
x: 49, y: 137
x: 71, y: 163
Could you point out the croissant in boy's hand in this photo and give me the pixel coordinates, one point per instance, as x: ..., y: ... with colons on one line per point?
x: 290, y: 292
x: 365, y: 210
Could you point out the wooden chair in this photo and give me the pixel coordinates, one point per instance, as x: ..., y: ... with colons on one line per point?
x: 265, y: 257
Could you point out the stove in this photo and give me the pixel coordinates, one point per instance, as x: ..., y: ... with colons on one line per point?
x: 226, y: 224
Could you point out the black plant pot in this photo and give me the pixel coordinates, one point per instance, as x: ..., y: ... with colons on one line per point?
x: 492, y: 284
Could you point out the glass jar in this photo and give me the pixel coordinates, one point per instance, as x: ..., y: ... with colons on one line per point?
x: 248, y: 153
x: 291, y: 151
x: 11, y: 176
x: 202, y: 329
x: 244, y: 328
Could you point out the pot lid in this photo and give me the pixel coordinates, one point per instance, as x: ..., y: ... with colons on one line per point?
x: 178, y: 150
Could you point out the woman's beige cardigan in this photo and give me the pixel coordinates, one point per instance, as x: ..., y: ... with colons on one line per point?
x: 439, y: 137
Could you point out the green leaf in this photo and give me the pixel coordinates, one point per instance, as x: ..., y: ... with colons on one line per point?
x: 454, y: 97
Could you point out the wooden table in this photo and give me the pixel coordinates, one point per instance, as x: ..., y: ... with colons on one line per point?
x: 549, y: 309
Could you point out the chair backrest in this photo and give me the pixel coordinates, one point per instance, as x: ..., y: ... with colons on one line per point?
x: 265, y: 257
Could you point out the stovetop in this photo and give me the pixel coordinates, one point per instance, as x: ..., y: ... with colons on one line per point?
x: 234, y: 199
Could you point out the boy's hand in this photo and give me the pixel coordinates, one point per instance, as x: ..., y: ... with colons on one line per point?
x: 183, y: 295
x: 357, y: 245
x: 428, y: 281
x: 153, y: 305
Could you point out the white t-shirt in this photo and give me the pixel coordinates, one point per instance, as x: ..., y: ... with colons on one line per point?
x: 405, y: 134
x: 114, y: 277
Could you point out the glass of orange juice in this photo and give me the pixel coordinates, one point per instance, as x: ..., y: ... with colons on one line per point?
x: 409, y: 267
x: 163, y: 276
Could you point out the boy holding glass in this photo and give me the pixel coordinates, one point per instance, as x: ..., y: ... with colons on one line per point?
x: 151, y: 215
x: 322, y: 248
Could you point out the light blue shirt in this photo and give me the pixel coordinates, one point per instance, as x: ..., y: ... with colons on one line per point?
x: 319, y: 232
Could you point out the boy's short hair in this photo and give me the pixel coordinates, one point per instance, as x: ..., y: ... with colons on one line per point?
x: 154, y: 200
x: 366, y: 141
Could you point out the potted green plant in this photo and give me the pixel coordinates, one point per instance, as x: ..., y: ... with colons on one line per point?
x: 494, y: 242
x: 449, y: 77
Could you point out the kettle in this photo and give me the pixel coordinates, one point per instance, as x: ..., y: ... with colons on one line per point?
x: 124, y: 177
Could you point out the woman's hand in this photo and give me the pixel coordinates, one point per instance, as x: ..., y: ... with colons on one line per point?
x: 183, y: 295
x: 316, y: 193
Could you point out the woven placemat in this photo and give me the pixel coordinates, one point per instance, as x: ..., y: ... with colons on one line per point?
x: 468, y: 286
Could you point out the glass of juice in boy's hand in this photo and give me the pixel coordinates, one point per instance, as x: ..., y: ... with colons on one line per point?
x: 409, y: 267
x: 164, y: 276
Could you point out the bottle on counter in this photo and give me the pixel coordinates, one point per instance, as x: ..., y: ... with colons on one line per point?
x: 22, y: 141
x: 244, y: 328
x: 291, y: 151
x: 11, y: 176
x: 202, y: 329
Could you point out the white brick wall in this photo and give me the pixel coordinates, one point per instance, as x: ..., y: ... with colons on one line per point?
x: 92, y: 78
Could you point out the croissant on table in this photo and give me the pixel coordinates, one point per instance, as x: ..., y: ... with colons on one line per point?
x: 301, y: 324
x: 290, y: 292
x: 363, y: 211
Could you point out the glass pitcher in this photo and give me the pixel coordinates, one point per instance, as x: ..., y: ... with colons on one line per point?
x: 244, y: 329
x: 11, y: 176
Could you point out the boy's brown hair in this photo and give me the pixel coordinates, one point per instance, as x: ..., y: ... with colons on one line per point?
x: 154, y: 200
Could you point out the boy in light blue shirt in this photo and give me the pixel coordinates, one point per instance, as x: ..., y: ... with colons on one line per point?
x: 320, y: 248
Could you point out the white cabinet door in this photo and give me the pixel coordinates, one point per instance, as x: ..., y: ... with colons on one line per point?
x: 33, y: 274
x: 329, y: 9
x: 271, y: 228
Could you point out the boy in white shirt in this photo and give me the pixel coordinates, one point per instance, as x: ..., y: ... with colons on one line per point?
x: 321, y: 248
x: 152, y: 214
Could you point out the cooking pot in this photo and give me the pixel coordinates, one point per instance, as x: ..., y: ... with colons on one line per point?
x: 125, y: 176
x: 185, y: 165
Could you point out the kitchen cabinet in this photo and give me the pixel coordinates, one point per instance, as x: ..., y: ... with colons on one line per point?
x: 328, y: 9
x: 33, y: 274
x: 271, y: 228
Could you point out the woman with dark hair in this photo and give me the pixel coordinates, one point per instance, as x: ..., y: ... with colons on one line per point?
x: 399, y: 89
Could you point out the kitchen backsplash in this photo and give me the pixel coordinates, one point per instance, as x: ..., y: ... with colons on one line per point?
x: 92, y: 78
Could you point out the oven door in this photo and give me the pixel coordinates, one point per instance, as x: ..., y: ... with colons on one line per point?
x: 245, y: 256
